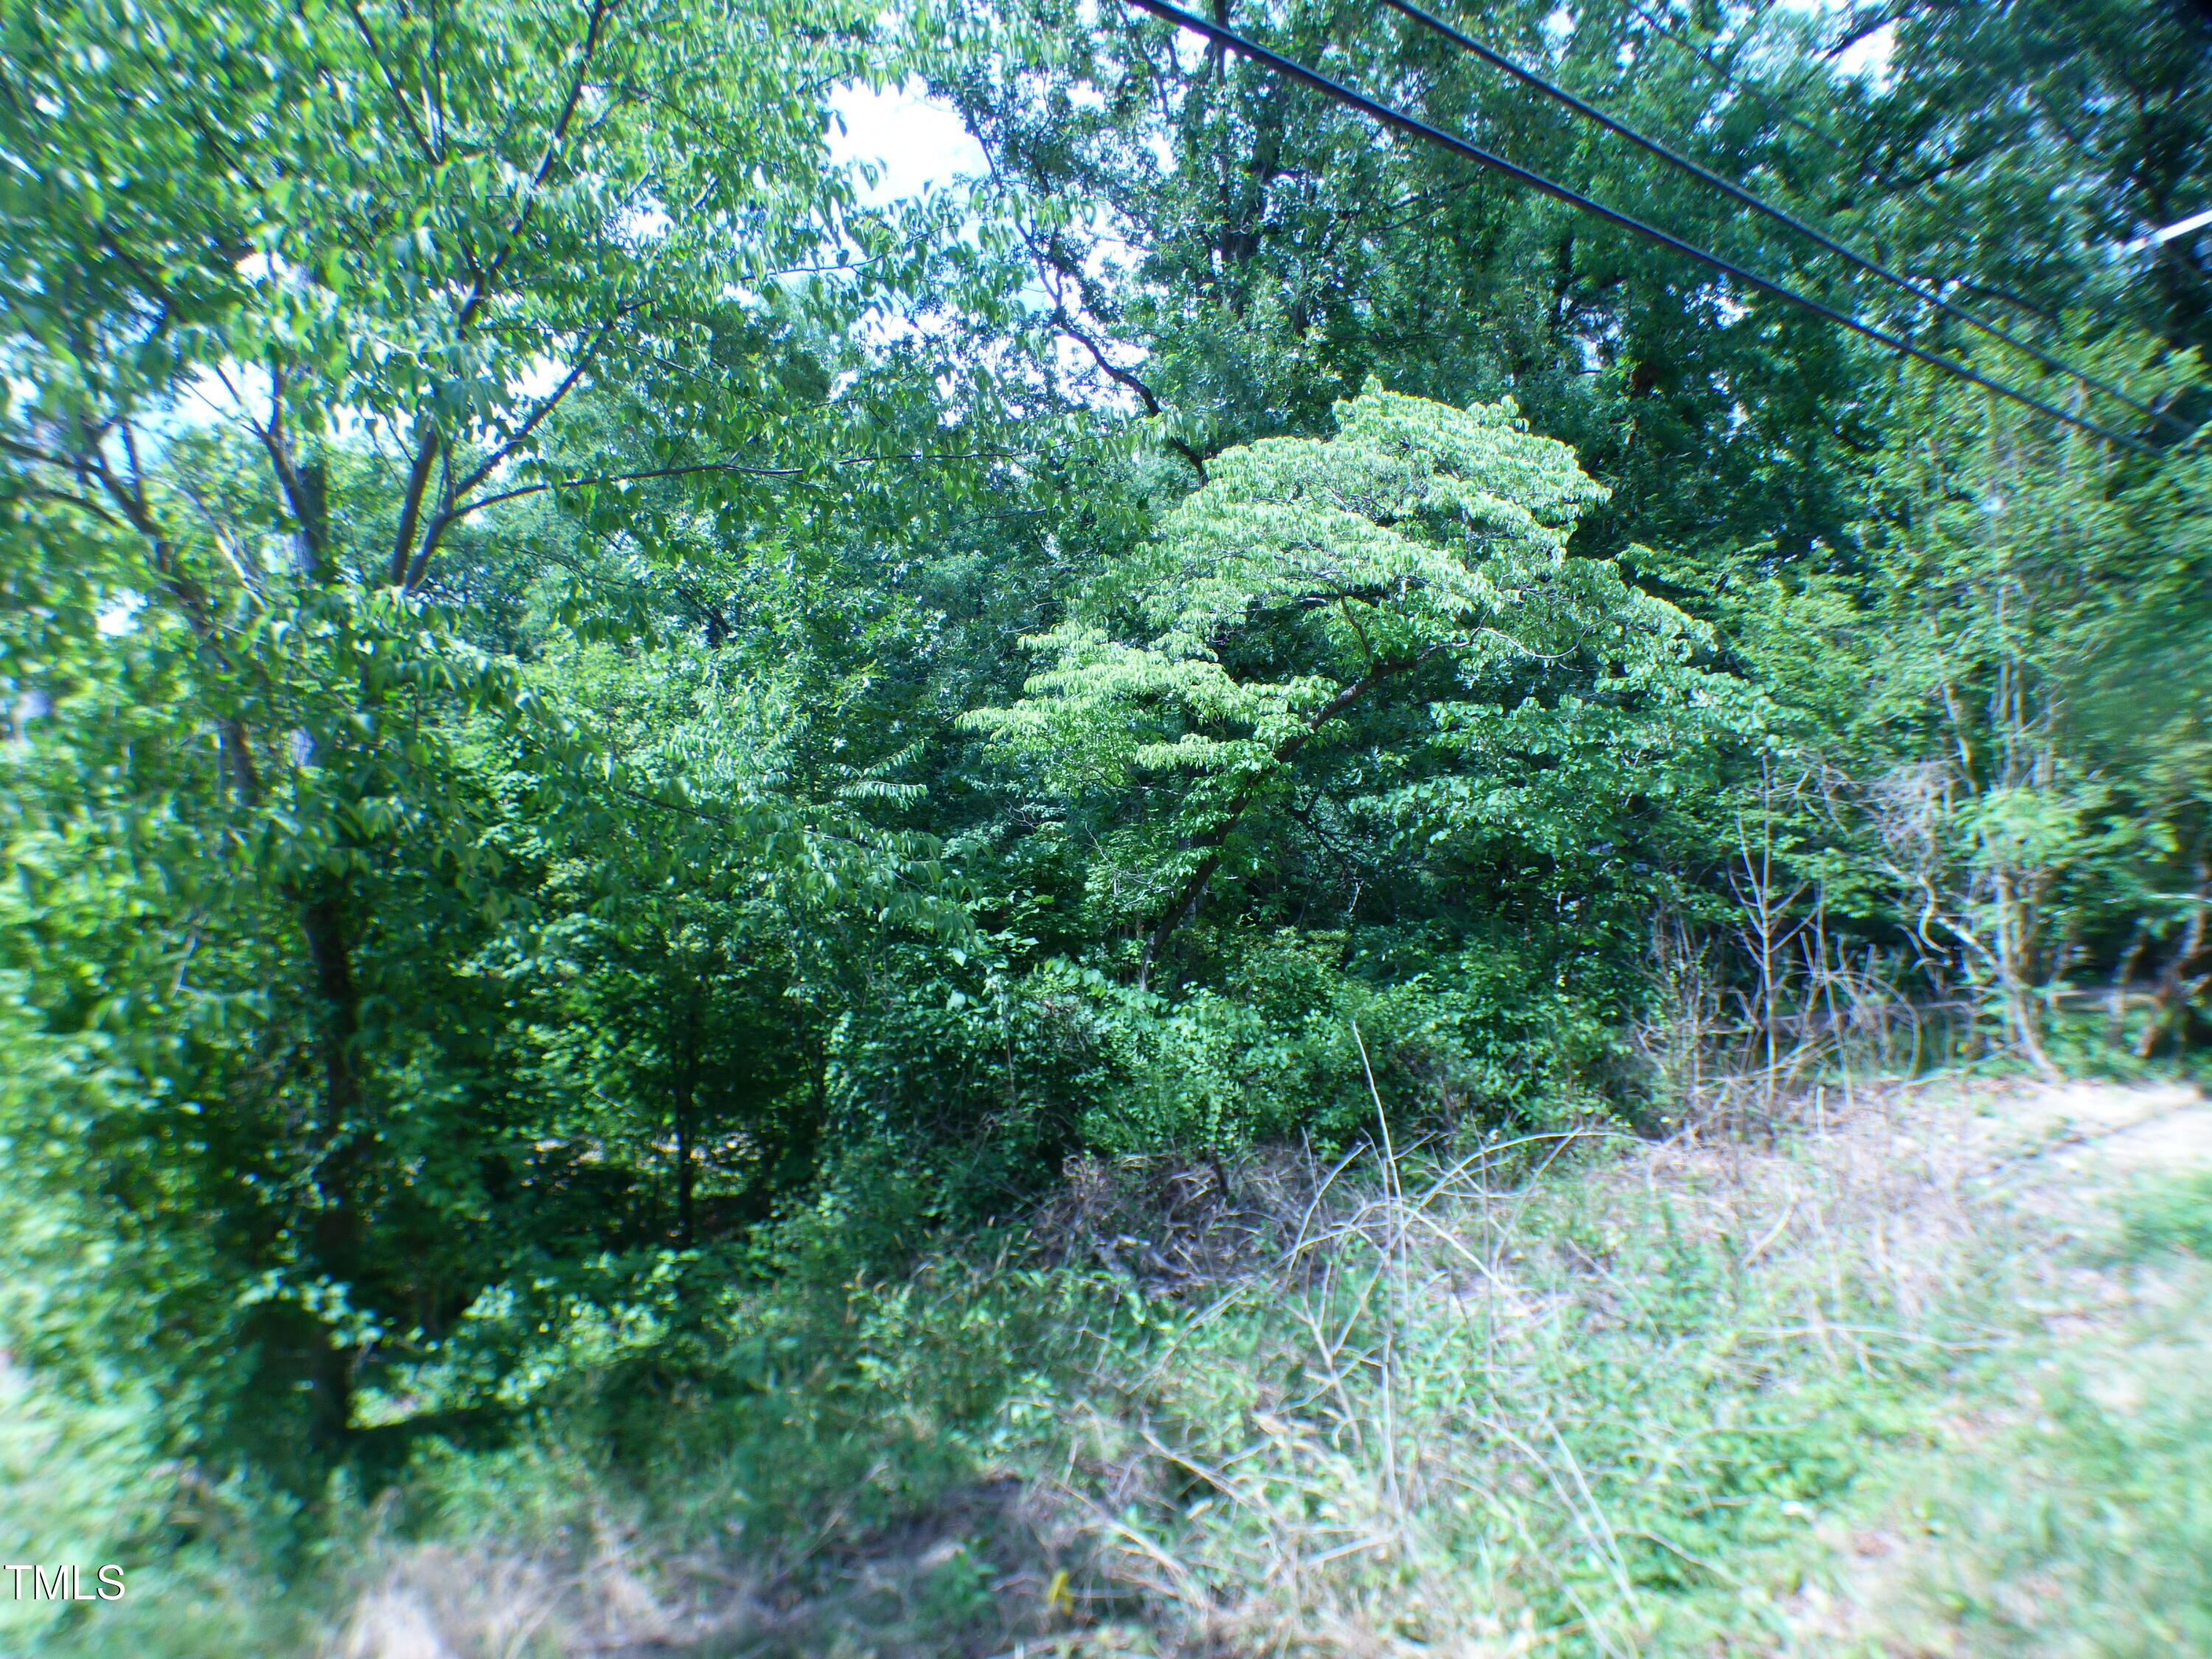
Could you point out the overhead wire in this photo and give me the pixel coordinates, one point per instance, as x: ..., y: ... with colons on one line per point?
x: 1758, y: 203
x: 1392, y: 117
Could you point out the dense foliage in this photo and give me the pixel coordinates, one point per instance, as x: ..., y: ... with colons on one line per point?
x: 574, y: 690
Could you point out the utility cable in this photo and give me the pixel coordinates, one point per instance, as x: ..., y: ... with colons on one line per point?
x: 1758, y: 203
x: 1398, y: 118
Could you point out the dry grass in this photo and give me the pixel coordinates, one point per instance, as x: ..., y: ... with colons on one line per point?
x: 1466, y: 1410
x: 436, y: 1601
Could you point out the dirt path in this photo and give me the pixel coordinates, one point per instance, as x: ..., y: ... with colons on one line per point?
x: 2096, y: 1130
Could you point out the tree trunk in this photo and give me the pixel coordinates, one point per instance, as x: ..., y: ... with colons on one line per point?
x: 339, y: 1232
x: 2174, y: 989
x: 686, y: 1103
x: 684, y: 1232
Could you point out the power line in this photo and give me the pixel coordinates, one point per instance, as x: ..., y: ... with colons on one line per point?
x: 1675, y: 158
x: 1419, y: 129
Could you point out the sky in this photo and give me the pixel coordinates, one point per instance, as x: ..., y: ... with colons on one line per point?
x: 916, y: 141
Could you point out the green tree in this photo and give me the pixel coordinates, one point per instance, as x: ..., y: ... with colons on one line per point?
x: 2036, y: 768
x: 2021, y: 146
x: 1306, y: 597
x: 296, y: 299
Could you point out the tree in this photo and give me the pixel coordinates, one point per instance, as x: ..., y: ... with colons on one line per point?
x: 1243, y: 251
x: 296, y: 297
x: 2021, y: 146
x: 1308, y: 592
x: 2038, y: 769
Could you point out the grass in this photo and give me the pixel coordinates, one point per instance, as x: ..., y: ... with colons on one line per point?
x: 1865, y: 1390
x: 2085, y: 1526
x: 1574, y: 1415
x: 2169, y: 1217
x: 2091, y: 1530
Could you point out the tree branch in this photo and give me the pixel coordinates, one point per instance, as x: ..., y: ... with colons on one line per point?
x: 408, y: 564
x: 1127, y: 378
x: 467, y: 507
x: 548, y: 404
x: 398, y: 97
x: 411, y: 505
x: 481, y: 289
x: 1215, y: 840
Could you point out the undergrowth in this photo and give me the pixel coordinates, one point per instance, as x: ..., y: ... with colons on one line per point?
x: 1568, y: 1394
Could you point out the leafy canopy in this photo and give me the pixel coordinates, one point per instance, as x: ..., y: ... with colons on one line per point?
x: 1424, y: 547
x: 1419, y: 531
